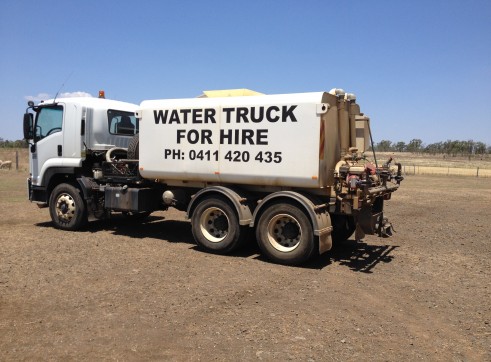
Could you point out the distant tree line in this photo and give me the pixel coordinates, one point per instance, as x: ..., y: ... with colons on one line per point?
x: 13, y: 144
x: 449, y: 147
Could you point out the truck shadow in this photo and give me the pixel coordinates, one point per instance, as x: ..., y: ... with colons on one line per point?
x: 357, y: 256
x: 155, y: 227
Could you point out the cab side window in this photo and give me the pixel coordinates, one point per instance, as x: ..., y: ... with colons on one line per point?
x: 122, y: 123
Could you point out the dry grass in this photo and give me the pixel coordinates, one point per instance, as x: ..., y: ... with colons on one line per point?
x: 13, y: 154
x: 453, y: 171
x: 422, y: 164
x: 445, y: 161
x: 13, y: 187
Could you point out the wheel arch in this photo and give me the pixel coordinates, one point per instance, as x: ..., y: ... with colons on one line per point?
x: 238, y: 202
x: 315, y: 210
x: 58, y: 175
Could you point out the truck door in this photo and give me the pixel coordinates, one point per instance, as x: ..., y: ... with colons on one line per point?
x: 48, y: 137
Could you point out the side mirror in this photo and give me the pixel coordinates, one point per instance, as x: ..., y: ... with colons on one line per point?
x: 28, y: 129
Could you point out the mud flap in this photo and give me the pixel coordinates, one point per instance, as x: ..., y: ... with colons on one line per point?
x: 325, y: 240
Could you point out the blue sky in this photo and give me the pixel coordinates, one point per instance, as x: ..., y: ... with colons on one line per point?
x: 420, y: 69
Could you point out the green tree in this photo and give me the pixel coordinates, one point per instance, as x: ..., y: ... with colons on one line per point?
x: 20, y: 144
x: 414, y: 145
x: 434, y: 148
x: 384, y: 146
x: 480, y: 148
x: 13, y: 144
x: 400, y: 146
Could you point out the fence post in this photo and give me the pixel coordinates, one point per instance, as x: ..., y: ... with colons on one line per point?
x: 16, y: 160
x: 477, y: 174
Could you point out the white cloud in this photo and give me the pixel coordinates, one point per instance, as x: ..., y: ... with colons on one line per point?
x: 74, y: 94
x: 44, y: 96
x: 39, y: 97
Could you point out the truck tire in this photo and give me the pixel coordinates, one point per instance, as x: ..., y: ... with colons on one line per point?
x: 343, y: 227
x: 67, y: 208
x: 133, y: 147
x: 215, y: 226
x: 285, y: 234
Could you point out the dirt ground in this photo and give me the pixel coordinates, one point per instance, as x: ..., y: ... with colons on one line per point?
x: 122, y: 291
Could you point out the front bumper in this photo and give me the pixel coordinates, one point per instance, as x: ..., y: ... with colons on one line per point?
x: 36, y: 193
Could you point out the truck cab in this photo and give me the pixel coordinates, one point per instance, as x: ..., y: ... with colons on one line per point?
x: 68, y: 136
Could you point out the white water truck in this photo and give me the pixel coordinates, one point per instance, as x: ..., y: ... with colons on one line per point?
x: 290, y: 167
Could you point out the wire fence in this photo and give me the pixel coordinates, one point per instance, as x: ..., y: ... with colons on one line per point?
x: 448, y: 171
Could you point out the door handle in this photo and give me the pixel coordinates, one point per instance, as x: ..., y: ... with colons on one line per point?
x: 59, y: 150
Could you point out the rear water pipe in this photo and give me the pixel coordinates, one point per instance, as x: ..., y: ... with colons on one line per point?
x: 373, y: 148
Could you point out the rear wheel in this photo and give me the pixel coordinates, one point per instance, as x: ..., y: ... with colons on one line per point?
x: 215, y: 226
x: 67, y: 208
x: 343, y: 227
x: 285, y: 234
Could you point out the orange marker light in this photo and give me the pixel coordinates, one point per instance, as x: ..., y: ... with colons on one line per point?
x: 102, y: 94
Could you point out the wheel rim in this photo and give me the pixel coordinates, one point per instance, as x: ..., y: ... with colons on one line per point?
x: 284, y: 232
x: 65, y: 207
x: 214, y: 224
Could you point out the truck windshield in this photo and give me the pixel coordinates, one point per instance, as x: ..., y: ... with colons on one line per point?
x: 49, y: 120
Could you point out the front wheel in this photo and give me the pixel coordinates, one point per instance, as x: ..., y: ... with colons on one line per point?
x: 67, y: 208
x: 285, y: 234
x: 215, y: 226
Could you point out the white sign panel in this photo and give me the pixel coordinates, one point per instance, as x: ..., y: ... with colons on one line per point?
x: 231, y: 141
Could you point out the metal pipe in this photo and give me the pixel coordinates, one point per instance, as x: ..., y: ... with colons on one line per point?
x: 373, y: 147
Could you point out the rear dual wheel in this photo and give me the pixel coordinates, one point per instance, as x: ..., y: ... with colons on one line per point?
x: 216, y: 227
x: 285, y: 234
x: 284, y: 231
